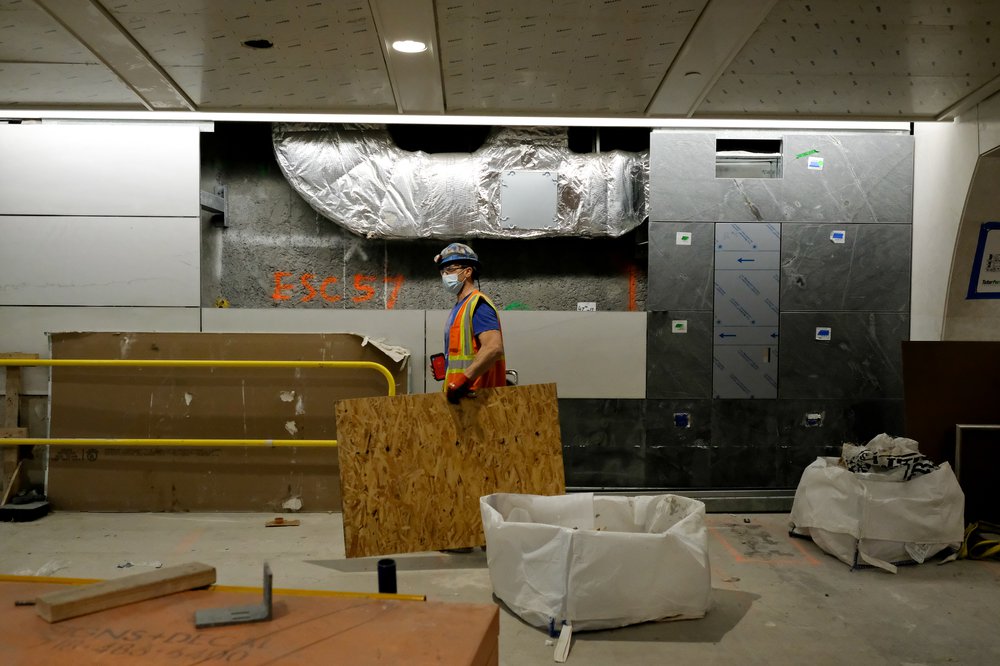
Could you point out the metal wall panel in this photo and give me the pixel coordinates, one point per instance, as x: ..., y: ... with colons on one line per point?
x: 680, y: 265
x: 865, y: 178
x: 401, y: 328
x: 869, y: 270
x: 862, y: 359
x: 138, y: 169
x: 587, y: 354
x: 745, y: 363
x: 141, y: 261
x: 679, y: 354
x: 25, y: 329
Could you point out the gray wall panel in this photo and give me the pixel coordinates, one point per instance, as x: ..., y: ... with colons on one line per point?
x: 679, y: 365
x: 680, y: 276
x: 587, y: 354
x: 862, y: 359
x: 866, y: 177
x: 603, y: 442
x: 870, y: 270
x: 132, y: 169
x: 100, y: 261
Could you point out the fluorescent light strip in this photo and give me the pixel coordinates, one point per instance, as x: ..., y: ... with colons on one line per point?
x: 398, y: 119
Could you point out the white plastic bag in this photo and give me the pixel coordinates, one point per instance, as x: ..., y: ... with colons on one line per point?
x: 870, y: 519
x: 597, y: 562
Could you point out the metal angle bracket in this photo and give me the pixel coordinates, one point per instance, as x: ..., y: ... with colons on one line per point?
x: 220, y: 617
x: 217, y: 204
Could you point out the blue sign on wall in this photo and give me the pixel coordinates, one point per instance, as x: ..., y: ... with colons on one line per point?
x: 985, y: 280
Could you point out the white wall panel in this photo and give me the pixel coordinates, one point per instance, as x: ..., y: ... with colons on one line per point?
x: 944, y: 159
x: 99, y: 169
x: 99, y: 261
x: 587, y: 354
x: 25, y: 329
x: 402, y: 328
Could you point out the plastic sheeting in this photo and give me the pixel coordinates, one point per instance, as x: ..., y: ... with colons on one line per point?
x: 869, y: 518
x: 357, y: 177
x: 597, y: 562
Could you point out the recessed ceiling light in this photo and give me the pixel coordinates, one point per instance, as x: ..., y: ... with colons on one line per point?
x: 258, y: 43
x: 409, y: 46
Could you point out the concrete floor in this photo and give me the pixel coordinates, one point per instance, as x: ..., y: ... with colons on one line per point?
x: 775, y: 600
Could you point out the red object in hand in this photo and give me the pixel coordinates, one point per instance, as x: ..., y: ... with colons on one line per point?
x: 438, y: 366
x: 458, y: 388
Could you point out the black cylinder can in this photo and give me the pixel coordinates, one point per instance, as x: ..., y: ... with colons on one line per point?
x: 387, y: 576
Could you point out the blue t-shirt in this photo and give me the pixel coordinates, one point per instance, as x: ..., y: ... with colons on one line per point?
x: 484, y: 318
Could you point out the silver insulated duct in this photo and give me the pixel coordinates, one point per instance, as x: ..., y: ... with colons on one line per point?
x: 523, y: 183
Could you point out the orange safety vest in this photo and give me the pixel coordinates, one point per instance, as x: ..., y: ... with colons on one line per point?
x: 462, y: 347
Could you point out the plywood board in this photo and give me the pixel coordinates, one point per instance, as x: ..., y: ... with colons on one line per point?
x: 414, y: 467
x: 262, y: 403
x: 544, y: 347
x: 307, y: 628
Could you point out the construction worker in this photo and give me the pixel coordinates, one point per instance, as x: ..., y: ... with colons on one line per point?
x: 473, y: 341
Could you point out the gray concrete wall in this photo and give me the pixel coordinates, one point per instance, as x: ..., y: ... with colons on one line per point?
x: 273, y: 236
x: 612, y: 439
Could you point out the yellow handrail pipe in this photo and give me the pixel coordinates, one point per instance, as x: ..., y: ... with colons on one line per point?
x: 181, y: 363
x: 201, y: 363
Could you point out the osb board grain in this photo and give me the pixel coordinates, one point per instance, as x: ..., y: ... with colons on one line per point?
x: 275, y: 403
x: 413, y: 468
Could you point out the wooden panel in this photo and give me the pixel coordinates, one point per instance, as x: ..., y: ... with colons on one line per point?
x: 275, y: 403
x: 403, y: 328
x: 414, y: 467
x: 76, y: 601
x: 308, y: 628
x: 946, y: 383
x: 27, y: 328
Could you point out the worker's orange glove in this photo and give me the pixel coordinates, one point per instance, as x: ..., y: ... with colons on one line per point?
x: 458, y: 388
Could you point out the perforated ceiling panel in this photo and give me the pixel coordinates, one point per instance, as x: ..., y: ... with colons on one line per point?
x: 566, y: 56
x: 882, y: 58
x: 42, y: 64
x: 326, y: 55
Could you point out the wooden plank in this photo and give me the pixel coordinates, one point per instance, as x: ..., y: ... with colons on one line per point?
x: 12, y: 397
x: 12, y: 456
x: 73, y: 602
x: 414, y: 467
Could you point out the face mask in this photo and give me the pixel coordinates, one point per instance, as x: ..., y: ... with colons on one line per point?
x: 451, y: 283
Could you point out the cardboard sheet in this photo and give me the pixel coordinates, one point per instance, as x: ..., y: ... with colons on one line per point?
x: 275, y: 403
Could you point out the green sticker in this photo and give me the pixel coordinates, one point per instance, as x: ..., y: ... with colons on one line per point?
x: 806, y: 154
x: 517, y: 305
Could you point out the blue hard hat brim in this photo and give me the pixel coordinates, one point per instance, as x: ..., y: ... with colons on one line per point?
x: 458, y: 258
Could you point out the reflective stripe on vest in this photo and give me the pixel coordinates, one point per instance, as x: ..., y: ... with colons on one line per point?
x: 462, y: 346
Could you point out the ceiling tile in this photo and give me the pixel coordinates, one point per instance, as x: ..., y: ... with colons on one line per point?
x: 889, y: 58
x: 326, y: 56
x: 563, y: 56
